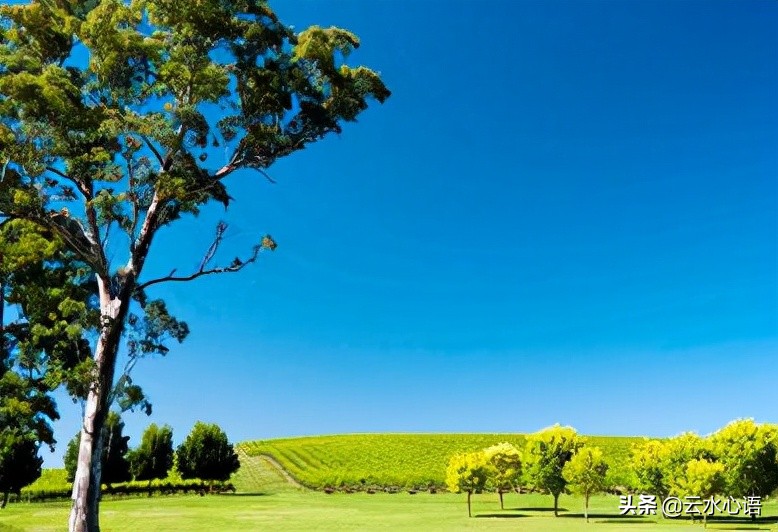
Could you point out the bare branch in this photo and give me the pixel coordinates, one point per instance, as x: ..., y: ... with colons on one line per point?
x: 221, y: 227
x: 261, y: 171
x: 236, y: 265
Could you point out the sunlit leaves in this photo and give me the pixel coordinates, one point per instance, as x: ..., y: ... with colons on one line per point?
x: 545, y: 455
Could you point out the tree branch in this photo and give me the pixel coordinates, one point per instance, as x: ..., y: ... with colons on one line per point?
x: 85, y: 190
x: 236, y: 265
x: 153, y: 150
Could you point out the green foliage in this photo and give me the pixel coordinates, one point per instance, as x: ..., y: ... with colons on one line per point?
x: 648, y: 461
x: 154, y: 456
x: 748, y: 453
x: 114, y: 463
x: 70, y: 458
x: 701, y: 478
x: 48, y: 337
x: 585, y: 472
x: 468, y: 472
x: 659, y: 467
x: 505, y: 467
x: 20, y: 464
x: 116, y: 468
x: 206, y: 454
x: 545, y: 456
x: 53, y: 484
x: 681, y: 450
x: 396, y: 460
x: 153, y: 67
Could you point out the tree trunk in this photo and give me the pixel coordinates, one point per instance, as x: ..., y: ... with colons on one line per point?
x: 84, y: 514
x: 469, y: 513
x: 556, y: 505
x: 5, y: 499
x: 502, y: 506
x: 586, y: 507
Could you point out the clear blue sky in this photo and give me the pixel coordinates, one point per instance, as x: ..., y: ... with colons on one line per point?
x: 566, y: 212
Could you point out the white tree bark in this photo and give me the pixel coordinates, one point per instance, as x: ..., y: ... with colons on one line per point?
x: 84, y: 514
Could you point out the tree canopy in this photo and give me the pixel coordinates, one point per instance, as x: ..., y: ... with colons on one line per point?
x: 207, y: 454
x: 153, y: 458
x: 505, y: 461
x: 468, y: 472
x: 545, y: 456
x: 585, y: 474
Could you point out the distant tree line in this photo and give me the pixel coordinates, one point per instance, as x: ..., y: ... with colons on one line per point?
x: 206, y: 454
x: 739, y: 460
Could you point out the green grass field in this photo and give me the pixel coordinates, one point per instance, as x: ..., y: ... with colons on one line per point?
x: 267, y: 501
x: 405, y: 460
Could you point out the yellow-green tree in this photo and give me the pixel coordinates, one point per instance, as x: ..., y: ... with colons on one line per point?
x: 748, y: 452
x: 680, y: 451
x: 585, y: 474
x: 468, y: 472
x: 546, y: 454
x: 701, y: 478
x: 647, y: 463
x: 505, y: 461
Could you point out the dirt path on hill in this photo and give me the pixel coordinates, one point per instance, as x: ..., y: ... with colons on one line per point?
x: 278, y: 467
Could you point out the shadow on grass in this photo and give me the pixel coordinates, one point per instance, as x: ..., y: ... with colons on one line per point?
x: 543, y: 509
x: 246, y: 494
x: 612, y: 521
x: 722, y: 519
x: 614, y: 518
x: 502, y: 516
x: 738, y: 528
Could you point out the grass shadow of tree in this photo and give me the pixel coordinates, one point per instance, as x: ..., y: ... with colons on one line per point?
x: 501, y: 516
x: 614, y: 517
x: 724, y: 519
x: 539, y: 509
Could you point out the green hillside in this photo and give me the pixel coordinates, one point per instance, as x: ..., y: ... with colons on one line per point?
x: 403, y: 460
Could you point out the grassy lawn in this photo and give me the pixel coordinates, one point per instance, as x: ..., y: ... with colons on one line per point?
x: 292, y: 510
x: 266, y: 501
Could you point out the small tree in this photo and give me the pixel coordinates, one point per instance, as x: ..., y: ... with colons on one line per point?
x: 545, y: 456
x: 647, y: 463
x: 468, y: 472
x: 114, y: 464
x: 20, y: 464
x: 680, y: 451
x: 206, y: 454
x: 154, y: 456
x: 585, y: 474
x: 702, y: 478
x: 505, y: 460
x: 748, y: 452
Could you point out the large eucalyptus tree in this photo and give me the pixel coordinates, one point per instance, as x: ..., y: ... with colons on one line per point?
x: 109, y: 111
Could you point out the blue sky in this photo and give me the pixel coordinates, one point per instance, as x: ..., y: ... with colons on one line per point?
x: 566, y: 212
